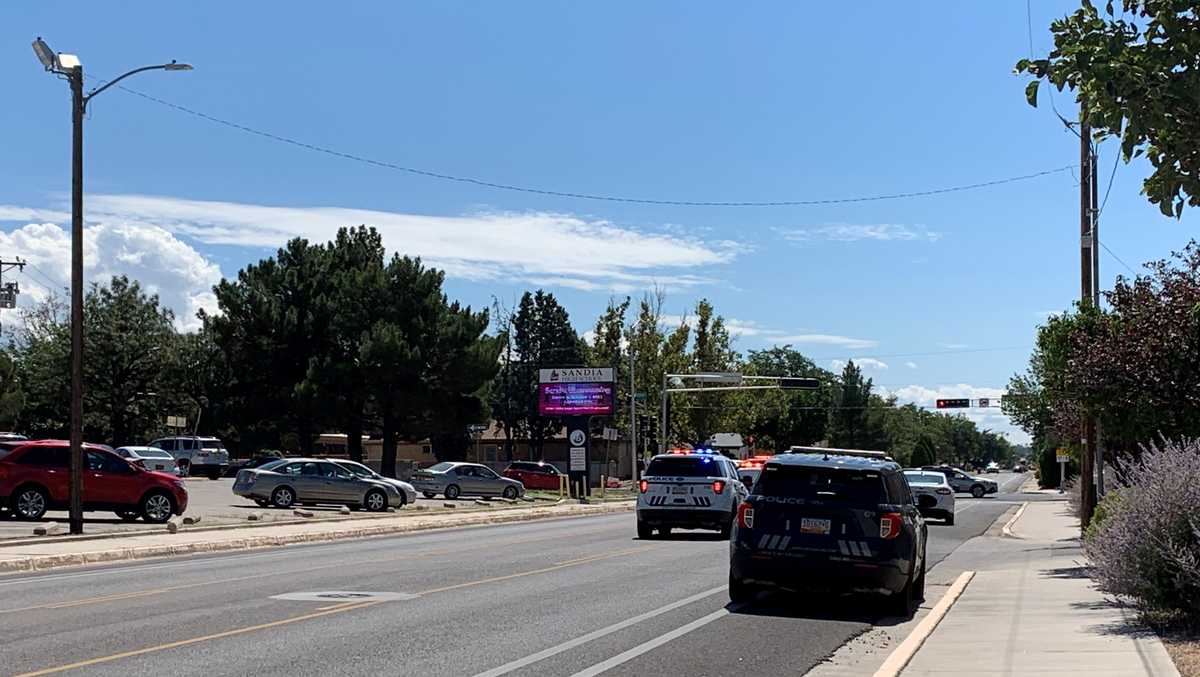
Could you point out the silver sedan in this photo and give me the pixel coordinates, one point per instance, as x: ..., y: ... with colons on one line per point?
x: 453, y: 479
x: 932, y: 491
x: 293, y: 481
x: 150, y: 458
x: 410, y: 493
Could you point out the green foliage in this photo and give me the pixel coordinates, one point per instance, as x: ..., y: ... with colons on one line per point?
x: 1139, y: 73
x: 923, y: 453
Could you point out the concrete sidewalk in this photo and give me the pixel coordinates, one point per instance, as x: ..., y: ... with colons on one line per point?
x: 1032, y: 610
x: 68, y: 552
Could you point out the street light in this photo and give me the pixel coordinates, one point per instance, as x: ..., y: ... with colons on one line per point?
x: 70, y: 67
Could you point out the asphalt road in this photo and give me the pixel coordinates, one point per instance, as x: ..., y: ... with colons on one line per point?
x: 567, y: 597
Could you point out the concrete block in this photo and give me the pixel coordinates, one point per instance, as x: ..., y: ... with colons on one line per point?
x: 48, y: 529
x: 345, y: 510
x: 450, y: 505
x: 173, y: 525
x: 528, y: 499
x: 255, y: 517
x: 191, y: 519
x: 301, y: 512
x: 480, y: 502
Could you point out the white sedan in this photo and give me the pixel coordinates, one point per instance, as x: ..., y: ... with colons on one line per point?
x: 934, y: 496
x: 150, y: 458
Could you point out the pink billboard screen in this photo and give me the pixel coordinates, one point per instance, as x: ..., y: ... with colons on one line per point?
x: 575, y: 399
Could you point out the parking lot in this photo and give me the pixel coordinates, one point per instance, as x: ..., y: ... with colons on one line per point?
x: 214, y: 502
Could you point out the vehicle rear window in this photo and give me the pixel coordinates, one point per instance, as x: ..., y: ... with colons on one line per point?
x: 153, y: 453
x: 440, y: 467
x: 925, y: 478
x: 684, y: 466
x: 849, y: 486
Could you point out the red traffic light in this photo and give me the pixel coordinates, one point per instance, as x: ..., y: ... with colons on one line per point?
x: 953, y: 404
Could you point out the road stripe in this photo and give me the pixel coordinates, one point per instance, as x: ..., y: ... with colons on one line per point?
x: 626, y: 656
x: 520, y: 574
x: 595, y: 634
x: 193, y: 640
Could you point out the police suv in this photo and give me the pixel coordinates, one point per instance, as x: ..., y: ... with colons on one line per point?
x: 835, y: 521
x: 688, y: 489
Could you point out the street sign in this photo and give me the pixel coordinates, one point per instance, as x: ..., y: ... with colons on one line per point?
x: 578, y: 438
x: 573, y: 398
x: 578, y: 459
x: 961, y: 403
x: 576, y: 375
x: 799, y: 383
x: 1062, y: 455
x: 476, y: 428
x: 176, y: 421
x: 610, y: 433
x: 640, y: 397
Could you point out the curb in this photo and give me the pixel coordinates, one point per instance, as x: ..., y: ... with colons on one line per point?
x: 1007, y: 530
x: 33, y: 563
x: 911, y: 644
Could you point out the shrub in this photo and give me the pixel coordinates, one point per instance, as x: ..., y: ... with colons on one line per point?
x: 1145, y: 546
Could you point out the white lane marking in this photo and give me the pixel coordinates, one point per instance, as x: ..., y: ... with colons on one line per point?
x: 963, y: 507
x: 595, y: 634
x: 626, y: 656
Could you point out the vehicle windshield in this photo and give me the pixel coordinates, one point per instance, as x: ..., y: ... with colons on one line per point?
x: 683, y: 466
x: 440, y: 467
x: 851, y: 487
x: 925, y: 478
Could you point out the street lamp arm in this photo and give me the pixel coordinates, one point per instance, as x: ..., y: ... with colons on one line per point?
x: 160, y: 67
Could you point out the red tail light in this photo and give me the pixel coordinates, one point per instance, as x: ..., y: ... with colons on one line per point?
x: 889, y: 525
x: 718, y: 486
x: 945, y: 491
x: 643, y: 486
x: 746, y: 516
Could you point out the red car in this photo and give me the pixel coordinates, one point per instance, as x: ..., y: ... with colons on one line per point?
x: 534, y: 475
x: 35, y: 477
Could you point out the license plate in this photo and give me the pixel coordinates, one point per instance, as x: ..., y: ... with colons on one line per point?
x: 809, y: 525
x: 679, y: 490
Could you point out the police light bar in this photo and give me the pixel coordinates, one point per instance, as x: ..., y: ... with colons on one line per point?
x: 828, y: 451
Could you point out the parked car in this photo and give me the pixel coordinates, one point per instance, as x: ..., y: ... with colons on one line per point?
x: 992, y: 468
x: 934, y: 496
x: 250, y: 463
x: 962, y: 482
x: 454, y: 479
x: 314, y: 481
x: 196, y: 455
x: 150, y: 458
x: 408, y: 492
x: 34, y: 479
x: 534, y: 475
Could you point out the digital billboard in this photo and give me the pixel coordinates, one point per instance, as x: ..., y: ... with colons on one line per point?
x: 575, y: 399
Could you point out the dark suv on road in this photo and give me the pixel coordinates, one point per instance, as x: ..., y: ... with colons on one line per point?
x: 830, y: 523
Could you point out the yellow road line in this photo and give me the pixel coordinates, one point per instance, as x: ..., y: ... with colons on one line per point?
x: 194, y: 640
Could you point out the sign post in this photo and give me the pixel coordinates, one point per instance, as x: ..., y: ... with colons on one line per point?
x: 576, y: 394
x: 1062, y: 457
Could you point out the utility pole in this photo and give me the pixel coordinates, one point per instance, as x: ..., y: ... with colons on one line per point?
x: 633, y: 454
x: 1086, y: 295
x: 75, y: 77
x: 9, y: 290
x: 1097, y: 445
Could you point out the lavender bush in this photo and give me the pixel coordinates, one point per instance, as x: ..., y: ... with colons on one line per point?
x: 1145, y: 543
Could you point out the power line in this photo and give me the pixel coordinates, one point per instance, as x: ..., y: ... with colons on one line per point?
x: 1050, y: 89
x: 1118, y: 258
x: 582, y: 196
x: 1112, y: 175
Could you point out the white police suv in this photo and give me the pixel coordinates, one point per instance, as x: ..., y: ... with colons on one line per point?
x: 688, y: 489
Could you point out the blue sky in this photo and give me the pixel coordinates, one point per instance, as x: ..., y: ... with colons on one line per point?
x: 672, y: 100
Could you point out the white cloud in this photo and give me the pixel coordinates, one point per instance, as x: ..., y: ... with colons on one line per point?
x: 825, y: 340
x: 868, y: 363
x: 992, y: 419
x: 853, y: 233
x: 911, y: 365
x: 559, y: 249
x: 165, y: 265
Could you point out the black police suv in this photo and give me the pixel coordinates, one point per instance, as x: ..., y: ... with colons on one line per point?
x: 842, y: 521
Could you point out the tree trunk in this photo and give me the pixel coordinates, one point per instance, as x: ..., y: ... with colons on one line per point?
x: 387, y: 461
x: 354, y: 429
x: 508, y: 444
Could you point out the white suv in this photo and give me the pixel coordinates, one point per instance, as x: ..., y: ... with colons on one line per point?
x: 688, y: 489
x: 196, y: 455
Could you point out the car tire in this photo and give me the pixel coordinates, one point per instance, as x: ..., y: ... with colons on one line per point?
x: 29, y: 503
x: 428, y: 494
x: 977, y: 491
x: 740, y: 592
x: 901, y: 603
x: 919, y: 584
x: 727, y: 528
x: 645, y: 531
x: 214, y: 475
x: 510, y: 492
x: 949, y: 519
x: 375, y: 501
x: 157, y: 507
x: 262, y: 504
x: 283, y: 497
x: 185, y: 469
x: 453, y: 492
x: 129, y: 515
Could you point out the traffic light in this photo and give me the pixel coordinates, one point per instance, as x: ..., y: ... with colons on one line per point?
x: 954, y: 404
x: 800, y: 383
